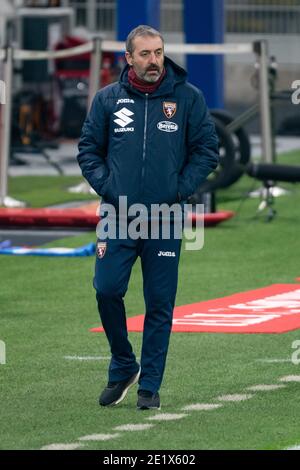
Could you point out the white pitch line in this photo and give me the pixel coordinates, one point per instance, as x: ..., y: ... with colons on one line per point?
x: 172, y: 416
x: 264, y: 388
x: 87, y: 358
x: 98, y: 437
x: 290, y: 378
x: 133, y: 427
x: 167, y: 416
x: 274, y: 361
x: 201, y: 407
x: 74, y: 446
x: 235, y: 397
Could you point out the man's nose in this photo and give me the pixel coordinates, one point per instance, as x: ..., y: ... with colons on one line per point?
x: 153, y: 58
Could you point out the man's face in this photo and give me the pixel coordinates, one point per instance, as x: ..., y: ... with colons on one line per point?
x: 147, y: 58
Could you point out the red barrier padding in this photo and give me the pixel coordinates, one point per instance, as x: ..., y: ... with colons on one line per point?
x: 78, y: 217
x: 271, y: 309
x: 213, y: 218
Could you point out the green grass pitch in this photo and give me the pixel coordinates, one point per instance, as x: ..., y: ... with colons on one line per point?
x: 47, y: 306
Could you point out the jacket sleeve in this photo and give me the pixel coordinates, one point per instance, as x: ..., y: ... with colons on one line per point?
x: 93, y: 147
x: 203, y: 151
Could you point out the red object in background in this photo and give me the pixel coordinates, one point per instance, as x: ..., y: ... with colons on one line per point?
x: 79, y: 66
x: 271, y: 309
x: 106, y: 74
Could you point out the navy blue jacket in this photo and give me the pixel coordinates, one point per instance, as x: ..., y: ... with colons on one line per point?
x: 152, y: 148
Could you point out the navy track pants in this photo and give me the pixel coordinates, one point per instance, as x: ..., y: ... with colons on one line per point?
x: 159, y: 262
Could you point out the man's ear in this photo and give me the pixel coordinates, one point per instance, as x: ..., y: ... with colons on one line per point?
x: 128, y: 58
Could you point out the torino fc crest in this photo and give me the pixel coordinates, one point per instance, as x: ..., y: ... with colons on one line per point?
x: 101, y: 249
x: 169, y: 109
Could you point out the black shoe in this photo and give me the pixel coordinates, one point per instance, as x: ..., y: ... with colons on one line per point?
x: 115, y: 392
x: 148, y: 400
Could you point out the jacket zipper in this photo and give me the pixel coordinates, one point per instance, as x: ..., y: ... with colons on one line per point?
x: 144, y: 141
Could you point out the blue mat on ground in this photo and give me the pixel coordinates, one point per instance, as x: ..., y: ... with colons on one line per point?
x: 86, y: 250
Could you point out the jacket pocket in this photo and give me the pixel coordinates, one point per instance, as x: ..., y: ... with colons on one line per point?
x: 108, y: 192
x: 173, y: 190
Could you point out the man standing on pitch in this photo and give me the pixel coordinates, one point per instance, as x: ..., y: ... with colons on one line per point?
x: 148, y: 137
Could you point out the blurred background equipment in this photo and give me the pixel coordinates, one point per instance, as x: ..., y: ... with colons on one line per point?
x: 35, y: 100
x: 50, y: 97
x: 235, y: 147
x: 269, y: 172
x: 39, y: 29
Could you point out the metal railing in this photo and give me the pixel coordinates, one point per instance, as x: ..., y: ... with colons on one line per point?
x: 100, y: 15
x: 264, y: 17
x: 171, y: 16
x: 242, y: 16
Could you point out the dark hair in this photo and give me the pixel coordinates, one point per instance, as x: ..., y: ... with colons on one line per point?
x: 141, y: 30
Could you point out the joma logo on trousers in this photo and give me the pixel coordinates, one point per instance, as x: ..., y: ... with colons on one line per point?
x: 167, y: 253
